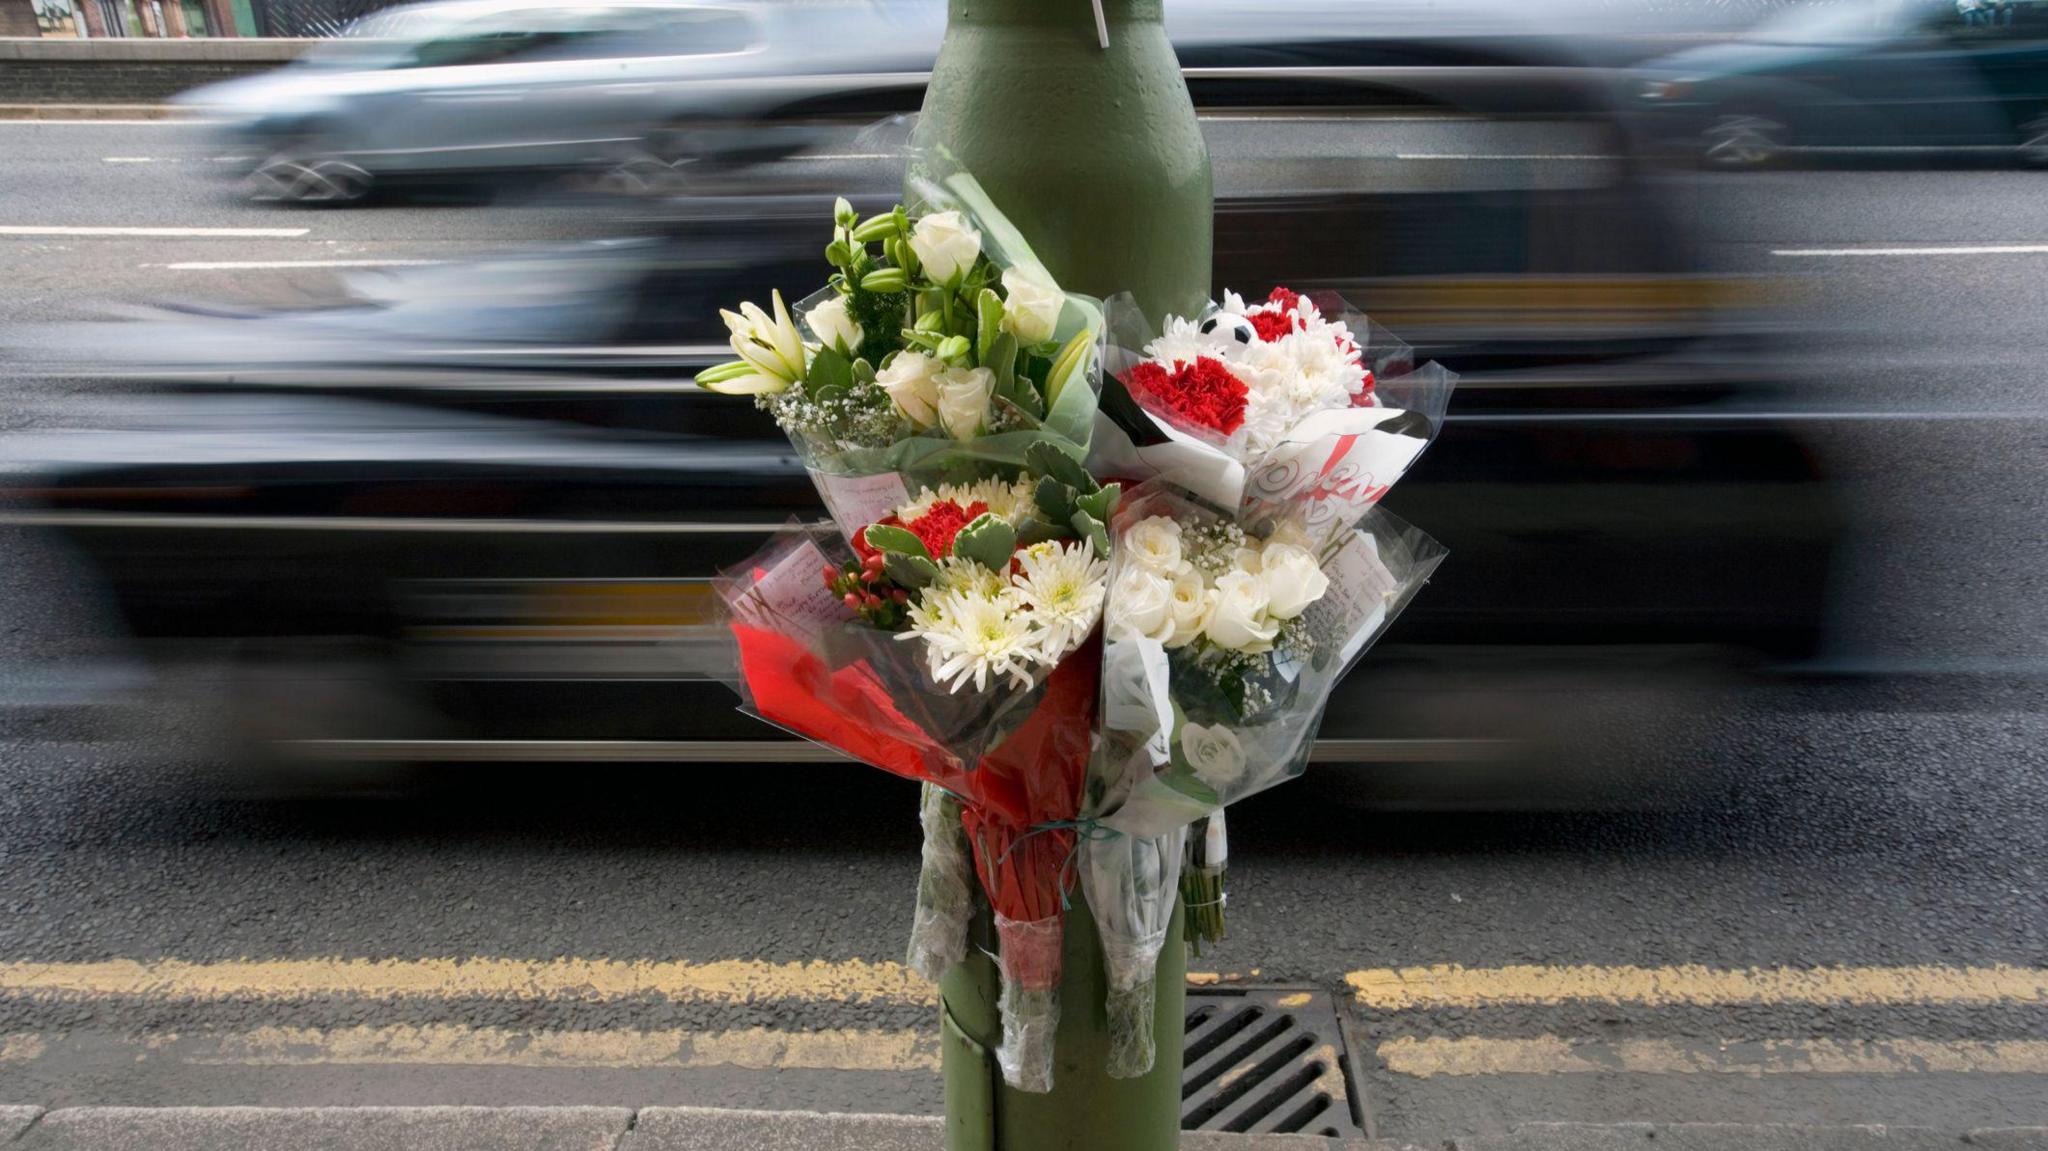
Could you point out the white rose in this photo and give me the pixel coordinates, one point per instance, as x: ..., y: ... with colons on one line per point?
x: 1246, y: 559
x: 912, y: 381
x: 1293, y: 580
x: 1140, y: 605
x: 1291, y: 532
x: 833, y: 327
x: 1215, y: 755
x: 1193, y: 602
x: 963, y: 400
x: 1240, y: 622
x: 1032, y: 305
x: 1154, y: 543
x: 945, y: 245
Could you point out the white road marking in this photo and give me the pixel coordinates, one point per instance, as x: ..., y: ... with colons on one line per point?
x: 264, y: 265
x: 159, y: 123
x: 1576, y: 156
x: 1956, y: 250
x: 193, y: 233
x: 846, y: 156
x: 127, y: 159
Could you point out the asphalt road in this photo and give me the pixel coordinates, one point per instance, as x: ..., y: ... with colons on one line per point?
x: 1835, y: 913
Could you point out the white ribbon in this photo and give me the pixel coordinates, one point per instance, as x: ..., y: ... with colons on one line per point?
x: 1101, y: 26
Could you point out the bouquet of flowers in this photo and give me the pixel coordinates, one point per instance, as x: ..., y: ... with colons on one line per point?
x: 945, y: 630
x: 922, y: 359
x: 1221, y: 648
x: 1281, y: 409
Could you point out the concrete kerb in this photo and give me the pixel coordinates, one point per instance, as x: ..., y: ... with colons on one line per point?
x: 328, y: 1129
x: 1717, y: 1137
x: 711, y: 1129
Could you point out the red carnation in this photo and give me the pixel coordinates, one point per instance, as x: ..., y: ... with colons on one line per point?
x: 1285, y: 298
x: 1204, y: 393
x: 937, y: 527
x: 1364, y: 398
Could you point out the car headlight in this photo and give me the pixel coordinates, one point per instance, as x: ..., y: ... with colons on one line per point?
x: 1666, y: 89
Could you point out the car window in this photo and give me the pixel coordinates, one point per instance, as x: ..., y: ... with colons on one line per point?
x: 672, y: 32
x: 1994, y: 20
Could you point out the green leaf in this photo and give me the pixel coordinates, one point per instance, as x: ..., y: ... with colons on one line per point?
x: 1036, y: 531
x: 838, y: 254
x: 1001, y: 359
x: 863, y: 372
x: 988, y: 541
x: 1090, y: 528
x: 831, y: 394
x: 1101, y: 502
x: 909, y: 571
x: 895, y: 540
x: 988, y: 308
x: 1046, y: 459
x: 1055, y: 500
x: 829, y: 369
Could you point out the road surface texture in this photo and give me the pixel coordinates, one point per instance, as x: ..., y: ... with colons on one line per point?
x: 1836, y: 913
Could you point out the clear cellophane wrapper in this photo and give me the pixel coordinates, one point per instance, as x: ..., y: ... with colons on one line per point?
x: 1325, y: 472
x: 1029, y: 958
x: 1131, y: 884
x: 1147, y: 783
x: 945, y: 887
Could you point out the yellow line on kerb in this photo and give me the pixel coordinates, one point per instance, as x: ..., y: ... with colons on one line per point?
x: 1552, y: 1055
x: 725, y: 981
x: 1396, y: 989
x: 752, y: 1048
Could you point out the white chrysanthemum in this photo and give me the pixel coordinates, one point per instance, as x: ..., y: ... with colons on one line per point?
x: 977, y: 638
x: 1063, y: 584
x: 1180, y: 343
x: 969, y: 578
x: 1007, y: 499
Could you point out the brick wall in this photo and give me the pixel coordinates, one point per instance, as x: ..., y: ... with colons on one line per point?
x: 110, y: 81
x: 126, y: 71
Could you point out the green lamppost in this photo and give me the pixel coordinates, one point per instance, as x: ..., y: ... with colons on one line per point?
x: 1075, y: 119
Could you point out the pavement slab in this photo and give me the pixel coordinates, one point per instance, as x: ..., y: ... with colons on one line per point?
x: 15, y: 1120
x: 329, y: 1129
x: 711, y: 1129
x: 2009, y: 1138
x: 1711, y: 1137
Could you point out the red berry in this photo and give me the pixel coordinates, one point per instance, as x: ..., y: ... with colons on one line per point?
x: 853, y: 601
x: 900, y: 596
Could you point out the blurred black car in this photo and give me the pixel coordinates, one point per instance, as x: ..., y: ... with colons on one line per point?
x: 468, y: 512
x: 1870, y: 74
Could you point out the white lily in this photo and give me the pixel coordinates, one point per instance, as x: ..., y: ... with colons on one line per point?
x: 769, y: 344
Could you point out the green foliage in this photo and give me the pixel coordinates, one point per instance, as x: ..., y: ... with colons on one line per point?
x: 1047, y: 460
x: 880, y: 316
x: 896, y: 541
x: 907, y: 570
x: 988, y: 310
x: 1100, y: 504
x: 1090, y: 528
x: 1055, y: 500
x: 829, y: 370
x: 988, y: 540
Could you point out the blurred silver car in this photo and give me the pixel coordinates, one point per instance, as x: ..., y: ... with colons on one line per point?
x: 644, y: 92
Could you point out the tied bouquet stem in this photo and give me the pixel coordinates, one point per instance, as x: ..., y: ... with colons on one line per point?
x: 1201, y: 883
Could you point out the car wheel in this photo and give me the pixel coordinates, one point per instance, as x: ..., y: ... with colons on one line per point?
x: 300, y: 172
x: 1742, y: 141
x: 2033, y: 146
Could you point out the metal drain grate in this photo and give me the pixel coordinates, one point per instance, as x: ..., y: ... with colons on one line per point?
x: 1263, y: 1061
